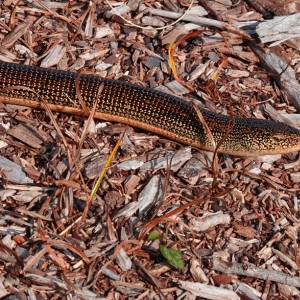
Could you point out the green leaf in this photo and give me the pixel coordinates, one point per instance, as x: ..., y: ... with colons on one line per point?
x: 173, y: 256
x: 154, y: 235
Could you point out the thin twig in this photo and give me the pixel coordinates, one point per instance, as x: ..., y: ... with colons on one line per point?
x: 200, y: 21
x: 129, y: 23
x: 256, y: 272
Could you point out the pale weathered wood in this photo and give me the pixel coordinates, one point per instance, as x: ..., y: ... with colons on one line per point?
x: 256, y: 272
x: 279, y: 29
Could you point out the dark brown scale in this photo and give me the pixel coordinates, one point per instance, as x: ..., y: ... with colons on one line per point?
x: 156, y: 109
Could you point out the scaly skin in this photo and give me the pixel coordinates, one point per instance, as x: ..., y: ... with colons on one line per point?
x: 147, y: 109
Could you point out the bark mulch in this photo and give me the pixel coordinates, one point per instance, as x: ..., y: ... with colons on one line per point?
x: 228, y: 230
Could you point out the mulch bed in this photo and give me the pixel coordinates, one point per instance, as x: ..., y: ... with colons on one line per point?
x: 236, y: 224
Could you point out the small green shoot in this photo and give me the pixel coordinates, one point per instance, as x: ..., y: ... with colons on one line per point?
x: 174, y: 257
x: 154, y: 235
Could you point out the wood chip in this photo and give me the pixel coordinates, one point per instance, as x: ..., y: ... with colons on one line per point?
x: 28, y: 135
x: 13, y: 172
x: 150, y: 195
x: 54, y: 56
x: 14, y: 35
x: 210, y: 221
x: 279, y: 29
x: 208, y: 291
